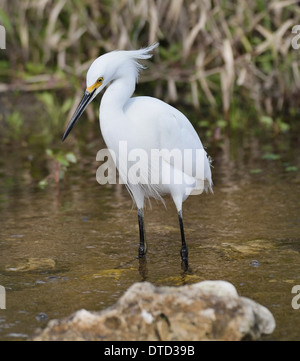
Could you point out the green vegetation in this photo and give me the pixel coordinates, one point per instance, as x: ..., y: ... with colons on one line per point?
x: 223, y: 57
x: 14, y: 123
x: 61, y: 162
x: 228, y: 65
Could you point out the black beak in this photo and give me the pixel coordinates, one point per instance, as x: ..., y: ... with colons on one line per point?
x: 85, y: 101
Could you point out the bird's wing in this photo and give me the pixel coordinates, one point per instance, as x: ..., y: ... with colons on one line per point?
x: 158, y: 125
x: 177, y: 134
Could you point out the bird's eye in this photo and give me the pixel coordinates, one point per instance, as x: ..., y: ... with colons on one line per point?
x: 100, y: 80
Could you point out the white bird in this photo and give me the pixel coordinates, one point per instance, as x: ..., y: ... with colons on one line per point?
x: 151, y: 126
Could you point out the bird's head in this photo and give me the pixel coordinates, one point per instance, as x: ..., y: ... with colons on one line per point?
x: 105, y: 69
x: 98, y: 76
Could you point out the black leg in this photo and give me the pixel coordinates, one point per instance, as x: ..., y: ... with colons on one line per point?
x: 143, y: 244
x: 184, y: 249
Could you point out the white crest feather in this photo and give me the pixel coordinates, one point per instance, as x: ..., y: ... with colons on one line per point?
x: 141, y: 54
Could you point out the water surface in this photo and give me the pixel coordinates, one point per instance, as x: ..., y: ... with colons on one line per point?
x: 73, y: 247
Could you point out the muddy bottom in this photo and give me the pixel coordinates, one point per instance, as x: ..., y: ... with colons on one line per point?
x: 76, y: 247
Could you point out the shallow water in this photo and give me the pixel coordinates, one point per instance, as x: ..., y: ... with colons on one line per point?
x: 75, y: 247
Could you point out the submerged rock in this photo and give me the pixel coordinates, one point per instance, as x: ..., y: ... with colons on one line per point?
x: 209, y: 310
x: 33, y: 264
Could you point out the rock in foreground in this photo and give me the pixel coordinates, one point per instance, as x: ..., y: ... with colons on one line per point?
x: 209, y: 310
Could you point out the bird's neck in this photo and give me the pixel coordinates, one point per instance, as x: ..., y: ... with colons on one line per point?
x: 117, y: 95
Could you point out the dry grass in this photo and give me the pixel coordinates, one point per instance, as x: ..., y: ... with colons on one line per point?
x: 212, y: 51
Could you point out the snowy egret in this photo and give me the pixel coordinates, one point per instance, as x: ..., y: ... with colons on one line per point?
x: 147, y: 124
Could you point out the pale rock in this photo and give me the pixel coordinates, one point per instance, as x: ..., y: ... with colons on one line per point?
x: 209, y: 310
